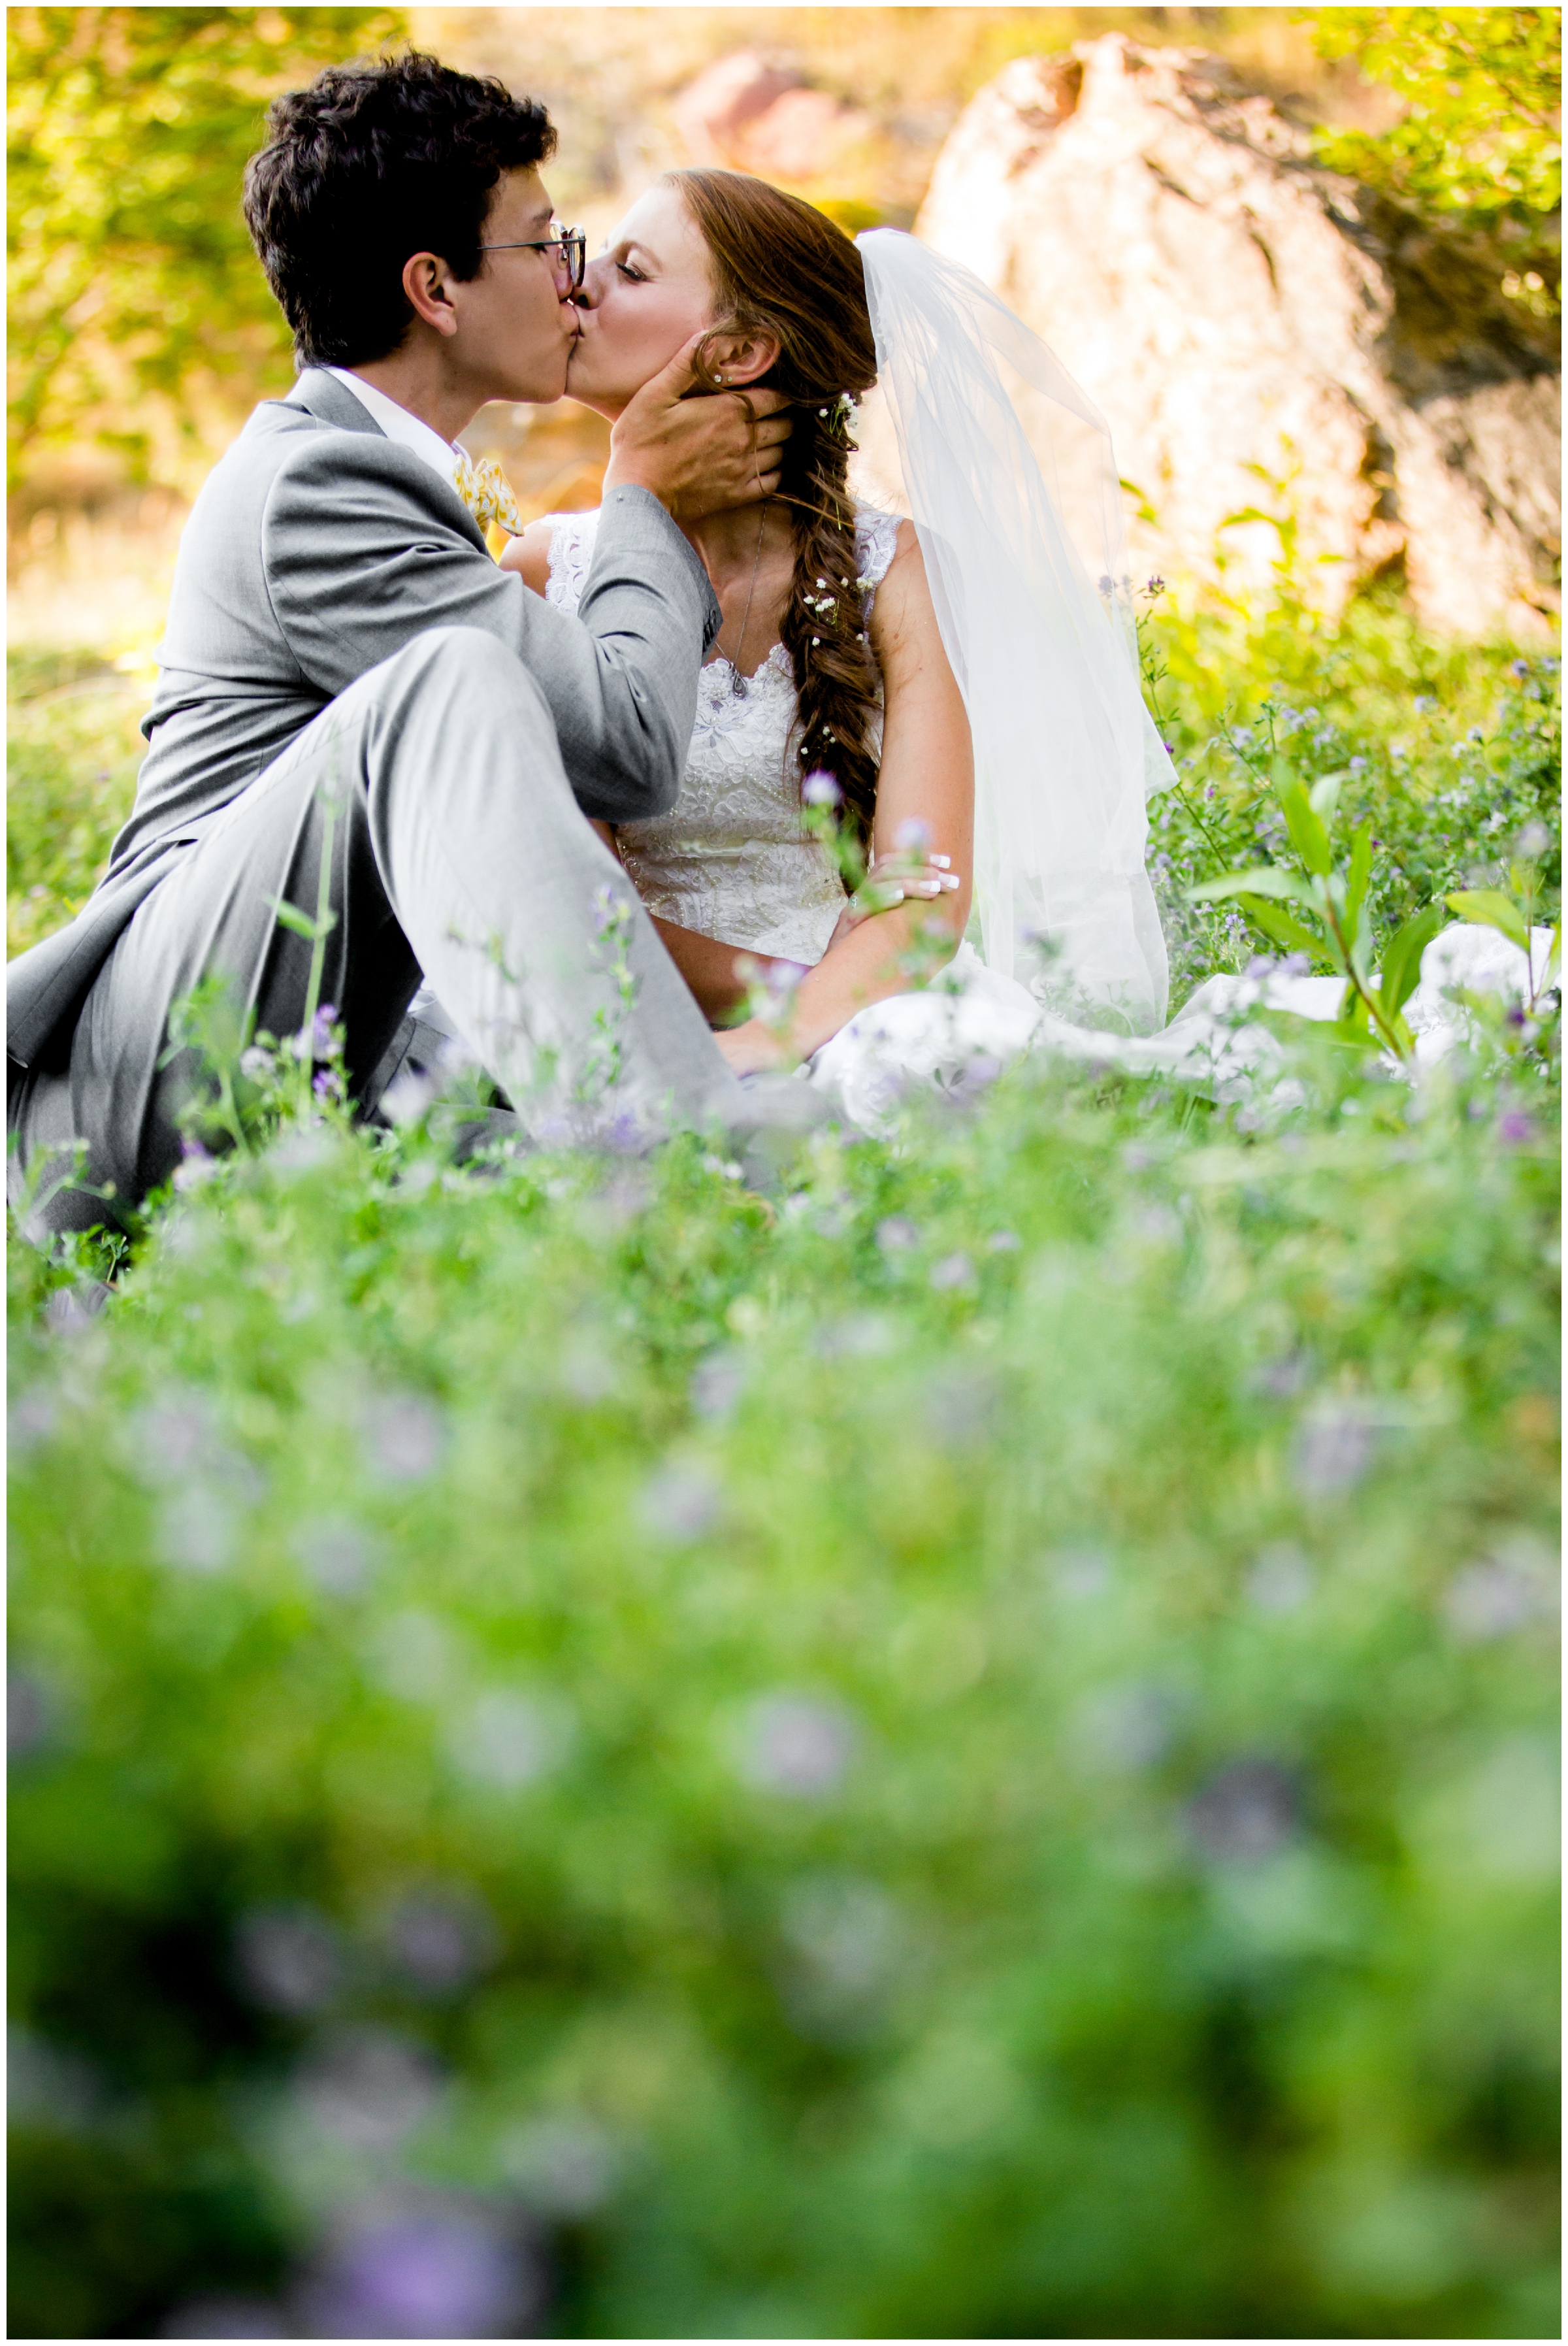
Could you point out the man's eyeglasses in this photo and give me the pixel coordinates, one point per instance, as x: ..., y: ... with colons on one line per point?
x: 570, y: 243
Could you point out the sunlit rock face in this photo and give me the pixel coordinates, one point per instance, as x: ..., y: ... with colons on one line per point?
x: 1264, y: 336
x: 748, y: 112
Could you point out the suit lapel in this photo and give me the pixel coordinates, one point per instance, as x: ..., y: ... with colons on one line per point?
x: 321, y: 395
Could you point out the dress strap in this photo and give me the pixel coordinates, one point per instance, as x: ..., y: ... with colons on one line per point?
x: 876, y: 543
x: 571, y: 538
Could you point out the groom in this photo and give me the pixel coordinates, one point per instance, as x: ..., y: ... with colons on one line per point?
x: 353, y: 700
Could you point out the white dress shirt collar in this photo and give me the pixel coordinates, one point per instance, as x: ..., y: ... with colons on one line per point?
x: 399, y: 425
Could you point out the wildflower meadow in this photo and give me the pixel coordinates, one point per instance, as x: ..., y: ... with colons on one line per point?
x: 951, y: 1733
x: 954, y: 1734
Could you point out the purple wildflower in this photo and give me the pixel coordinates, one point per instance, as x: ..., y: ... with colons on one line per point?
x: 1333, y: 1452
x: 680, y: 1502
x: 1245, y: 1812
x: 424, y: 2275
x: 796, y: 1745
x: 403, y: 1436
x: 290, y: 1959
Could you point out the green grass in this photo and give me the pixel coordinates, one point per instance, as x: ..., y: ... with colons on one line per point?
x: 73, y: 751
x: 1450, y: 750
x: 965, y: 1747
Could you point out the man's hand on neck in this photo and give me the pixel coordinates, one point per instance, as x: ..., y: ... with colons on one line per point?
x: 697, y: 455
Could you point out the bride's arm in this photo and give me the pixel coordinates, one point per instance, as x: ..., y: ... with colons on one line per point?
x: 926, y: 778
x: 530, y: 554
x: 708, y: 966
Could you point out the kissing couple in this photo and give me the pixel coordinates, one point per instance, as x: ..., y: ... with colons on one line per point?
x: 572, y: 799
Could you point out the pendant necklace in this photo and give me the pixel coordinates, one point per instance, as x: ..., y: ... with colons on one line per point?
x: 736, y: 680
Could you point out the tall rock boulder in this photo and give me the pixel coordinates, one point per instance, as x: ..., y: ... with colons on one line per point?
x: 1262, y: 334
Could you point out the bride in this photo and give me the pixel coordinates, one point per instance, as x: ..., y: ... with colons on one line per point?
x: 958, y: 691
x: 959, y: 683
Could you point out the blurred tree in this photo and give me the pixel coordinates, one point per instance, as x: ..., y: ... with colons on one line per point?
x: 135, y: 301
x: 1481, y: 134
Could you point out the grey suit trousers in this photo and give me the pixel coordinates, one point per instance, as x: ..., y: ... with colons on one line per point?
x: 457, y: 849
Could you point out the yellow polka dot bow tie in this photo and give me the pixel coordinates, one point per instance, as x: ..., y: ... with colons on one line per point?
x: 487, y: 493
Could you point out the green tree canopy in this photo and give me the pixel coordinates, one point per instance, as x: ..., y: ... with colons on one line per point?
x: 1481, y: 136
x: 137, y: 305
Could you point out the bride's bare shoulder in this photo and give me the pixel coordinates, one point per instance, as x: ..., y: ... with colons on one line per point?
x: 902, y: 601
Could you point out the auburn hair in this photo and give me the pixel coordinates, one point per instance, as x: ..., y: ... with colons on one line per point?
x: 783, y: 268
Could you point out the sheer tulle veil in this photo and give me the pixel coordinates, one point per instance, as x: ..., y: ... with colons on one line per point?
x: 1025, y: 547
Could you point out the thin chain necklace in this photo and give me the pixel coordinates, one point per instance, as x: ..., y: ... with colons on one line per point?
x: 736, y: 680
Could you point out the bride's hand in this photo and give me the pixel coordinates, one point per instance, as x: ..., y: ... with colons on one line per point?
x: 751, y: 1048
x: 897, y: 878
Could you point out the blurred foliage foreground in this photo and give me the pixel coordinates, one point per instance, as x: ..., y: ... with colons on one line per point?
x: 965, y: 1746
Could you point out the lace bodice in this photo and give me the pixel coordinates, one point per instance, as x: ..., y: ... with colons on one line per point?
x: 732, y: 860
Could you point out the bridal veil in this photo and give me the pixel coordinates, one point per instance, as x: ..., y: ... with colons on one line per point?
x: 1024, y: 547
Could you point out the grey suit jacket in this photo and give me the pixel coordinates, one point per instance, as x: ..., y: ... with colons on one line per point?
x: 316, y: 549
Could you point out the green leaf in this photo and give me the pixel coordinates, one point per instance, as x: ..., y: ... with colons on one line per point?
x: 1402, y: 960
x: 1353, y: 901
x: 1266, y: 880
x: 1361, y: 871
x: 1285, y: 929
x: 1554, y: 961
x: 1310, y: 838
x: 1493, y: 910
x: 1324, y: 795
x: 1141, y: 505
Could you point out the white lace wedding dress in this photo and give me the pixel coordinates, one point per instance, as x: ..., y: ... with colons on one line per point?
x: 733, y: 860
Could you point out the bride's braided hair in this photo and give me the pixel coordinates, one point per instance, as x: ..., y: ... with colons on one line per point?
x: 784, y: 268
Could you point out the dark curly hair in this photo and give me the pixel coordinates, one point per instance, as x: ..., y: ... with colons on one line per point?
x: 783, y: 268
x: 372, y: 163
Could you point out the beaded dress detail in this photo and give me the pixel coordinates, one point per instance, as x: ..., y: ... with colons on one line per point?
x: 732, y: 859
